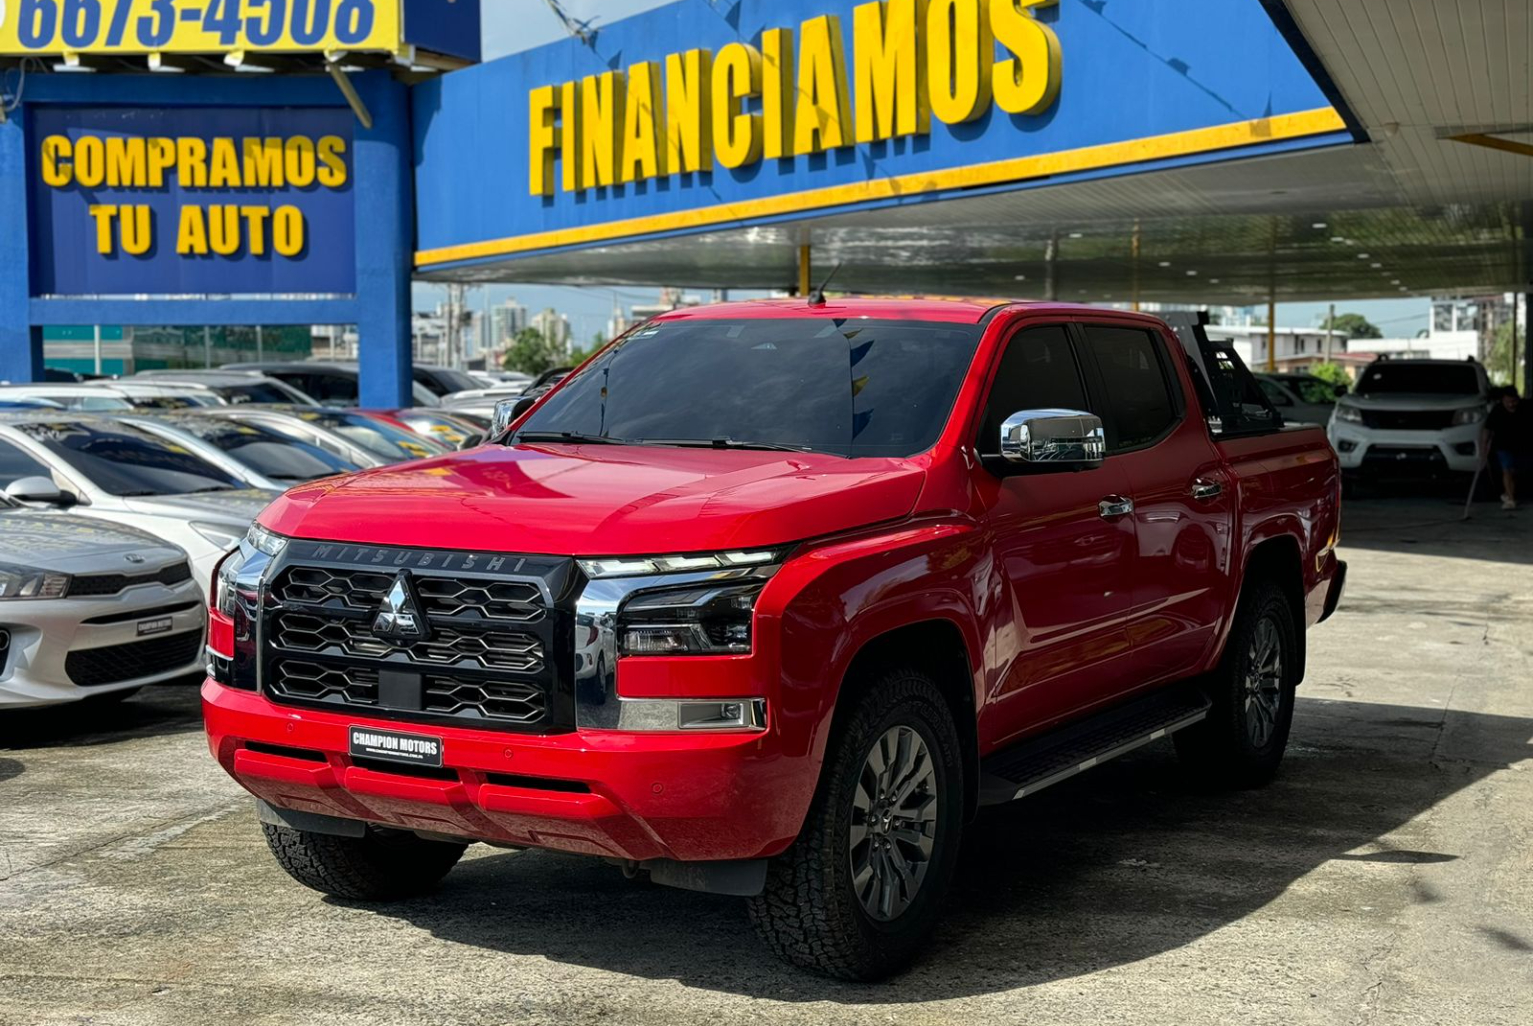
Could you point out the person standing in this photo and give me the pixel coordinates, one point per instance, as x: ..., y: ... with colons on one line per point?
x: 1508, y: 434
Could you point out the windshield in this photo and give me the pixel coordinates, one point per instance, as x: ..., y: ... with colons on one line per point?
x: 1400, y: 376
x: 448, y: 380
x: 375, y: 436
x: 92, y: 403
x: 125, y: 460
x: 257, y: 392
x: 265, y: 451
x: 170, y: 402
x: 849, y: 386
x: 442, y: 430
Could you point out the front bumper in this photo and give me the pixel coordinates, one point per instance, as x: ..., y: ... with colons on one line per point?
x: 34, y: 667
x: 1406, y: 453
x: 687, y: 797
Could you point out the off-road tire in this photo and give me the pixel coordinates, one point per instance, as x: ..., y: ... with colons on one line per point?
x: 1220, y: 751
x: 809, y: 913
x: 374, y: 867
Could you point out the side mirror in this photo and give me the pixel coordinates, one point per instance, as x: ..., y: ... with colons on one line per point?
x: 1340, y: 390
x: 1054, y: 438
x: 469, y: 441
x: 35, y: 489
x: 505, y: 412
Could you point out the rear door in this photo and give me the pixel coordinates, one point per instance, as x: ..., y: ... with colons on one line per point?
x: 1059, y: 634
x: 1183, y: 497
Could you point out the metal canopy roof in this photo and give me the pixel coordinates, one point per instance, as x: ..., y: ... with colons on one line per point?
x: 1439, y: 199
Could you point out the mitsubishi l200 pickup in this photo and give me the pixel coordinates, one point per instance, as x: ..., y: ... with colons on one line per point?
x: 769, y: 597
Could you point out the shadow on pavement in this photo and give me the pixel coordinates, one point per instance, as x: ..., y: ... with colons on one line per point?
x: 174, y: 707
x: 1112, y: 867
x: 1435, y: 527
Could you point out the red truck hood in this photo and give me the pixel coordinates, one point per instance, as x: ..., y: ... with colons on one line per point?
x: 600, y: 500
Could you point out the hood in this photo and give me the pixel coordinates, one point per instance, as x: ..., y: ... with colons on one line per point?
x: 236, y: 505
x: 598, y: 500
x: 1410, y: 401
x: 75, y: 545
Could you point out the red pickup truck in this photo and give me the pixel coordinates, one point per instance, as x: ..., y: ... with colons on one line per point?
x: 769, y: 597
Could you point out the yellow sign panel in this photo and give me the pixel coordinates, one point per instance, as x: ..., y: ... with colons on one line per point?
x: 49, y: 27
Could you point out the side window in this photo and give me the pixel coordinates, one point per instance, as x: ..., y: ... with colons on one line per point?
x: 16, y: 464
x: 1037, y: 372
x: 1138, y: 403
x: 330, y: 388
x: 1275, y: 395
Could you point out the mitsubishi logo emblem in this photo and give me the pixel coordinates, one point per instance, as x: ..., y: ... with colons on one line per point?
x: 399, y: 617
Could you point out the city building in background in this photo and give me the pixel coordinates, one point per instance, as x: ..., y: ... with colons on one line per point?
x: 554, y: 326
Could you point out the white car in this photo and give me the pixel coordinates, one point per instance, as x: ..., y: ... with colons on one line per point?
x: 258, y: 455
x: 1412, y: 417
x: 109, y: 470
x: 86, y: 398
x: 90, y: 609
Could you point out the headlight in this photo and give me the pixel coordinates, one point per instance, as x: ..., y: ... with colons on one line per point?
x: 221, y: 536
x: 265, y: 541
x: 23, y: 582
x: 642, y: 565
x: 257, y: 539
x: 1469, y: 415
x: 1348, y: 414
x: 707, y: 619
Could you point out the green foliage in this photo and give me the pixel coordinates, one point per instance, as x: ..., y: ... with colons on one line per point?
x: 1354, y: 325
x: 1499, y: 361
x: 532, y: 353
x: 1331, y: 372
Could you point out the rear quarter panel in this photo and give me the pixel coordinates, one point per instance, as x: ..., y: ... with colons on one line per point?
x: 1288, y: 484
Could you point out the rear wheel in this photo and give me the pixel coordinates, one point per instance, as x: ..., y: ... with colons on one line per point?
x: 1241, y: 743
x: 377, y: 866
x: 860, y: 890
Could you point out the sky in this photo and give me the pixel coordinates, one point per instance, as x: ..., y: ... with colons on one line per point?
x: 513, y: 25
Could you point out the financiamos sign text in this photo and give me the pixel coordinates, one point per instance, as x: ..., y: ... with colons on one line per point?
x: 911, y: 60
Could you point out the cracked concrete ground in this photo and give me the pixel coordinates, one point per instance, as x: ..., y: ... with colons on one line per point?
x: 1386, y: 877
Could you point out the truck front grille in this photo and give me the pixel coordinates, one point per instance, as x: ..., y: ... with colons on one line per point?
x: 1408, y: 420
x: 490, y: 657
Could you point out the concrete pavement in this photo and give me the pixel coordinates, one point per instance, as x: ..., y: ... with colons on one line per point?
x: 1386, y: 877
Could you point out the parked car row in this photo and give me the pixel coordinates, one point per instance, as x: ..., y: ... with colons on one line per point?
x: 113, y: 519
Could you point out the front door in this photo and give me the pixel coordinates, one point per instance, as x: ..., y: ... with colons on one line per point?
x: 1183, y: 500
x: 1057, y: 627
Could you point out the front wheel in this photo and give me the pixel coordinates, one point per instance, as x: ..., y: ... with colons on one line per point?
x: 377, y: 866
x: 860, y: 890
x: 1242, y: 741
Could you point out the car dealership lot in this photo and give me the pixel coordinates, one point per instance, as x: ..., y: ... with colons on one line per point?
x: 1386, y: 877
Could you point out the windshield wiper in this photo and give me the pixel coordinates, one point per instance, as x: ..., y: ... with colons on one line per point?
x: 568, y: 436
x: 211, y: 488
x: 729, y: 443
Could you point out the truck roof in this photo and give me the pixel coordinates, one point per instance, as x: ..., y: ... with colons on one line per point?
x: 953, y: 310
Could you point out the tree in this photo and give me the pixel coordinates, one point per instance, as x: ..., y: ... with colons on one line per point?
x: 1333, y: 373
x: 1499, y: 362
x: 532, y: 353
x: 1354, y: 325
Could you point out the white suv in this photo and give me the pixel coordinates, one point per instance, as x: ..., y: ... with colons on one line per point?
x: 1416, y: 417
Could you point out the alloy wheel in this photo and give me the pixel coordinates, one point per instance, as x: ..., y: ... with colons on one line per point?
x: 894, y: 823
x: 1264, y: 681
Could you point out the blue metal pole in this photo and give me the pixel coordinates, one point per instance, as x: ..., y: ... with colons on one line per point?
x: 385, y: 197
x: 21, y: 344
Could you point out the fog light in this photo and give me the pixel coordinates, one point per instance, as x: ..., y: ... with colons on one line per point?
x: 1466, y: 448
x: 1345, y: 446
x: 734, y: 715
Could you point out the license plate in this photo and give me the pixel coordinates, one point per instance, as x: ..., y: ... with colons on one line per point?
x: 159, y: 626
x: 412, y: 749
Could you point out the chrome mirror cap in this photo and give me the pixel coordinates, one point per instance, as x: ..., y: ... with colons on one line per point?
x: 1053, y: 437
x: 505, y: 413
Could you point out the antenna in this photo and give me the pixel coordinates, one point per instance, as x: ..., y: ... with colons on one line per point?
x: 581, y: 30
x: 817, y: 297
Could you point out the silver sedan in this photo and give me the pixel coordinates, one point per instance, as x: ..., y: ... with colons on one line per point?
x: 90, y: 609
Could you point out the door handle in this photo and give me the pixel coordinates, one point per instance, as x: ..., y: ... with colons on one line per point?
x: 1204, y: 489
x: 1115, y: 506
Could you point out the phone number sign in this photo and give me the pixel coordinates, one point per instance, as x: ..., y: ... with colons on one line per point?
x: 30, y: 27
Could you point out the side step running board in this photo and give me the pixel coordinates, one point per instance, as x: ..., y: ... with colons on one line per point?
x: 1030, y: 766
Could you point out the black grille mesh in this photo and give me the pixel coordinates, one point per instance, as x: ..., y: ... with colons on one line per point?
x: 110, y: 584
x: 93, y: 667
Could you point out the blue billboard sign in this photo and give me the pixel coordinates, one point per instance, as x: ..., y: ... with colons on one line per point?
x: 178, y: 201
x: 704, y: 115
